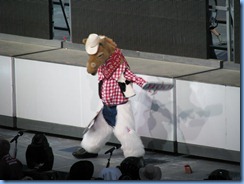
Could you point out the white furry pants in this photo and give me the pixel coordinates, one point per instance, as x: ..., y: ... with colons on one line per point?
x: 124, y: 131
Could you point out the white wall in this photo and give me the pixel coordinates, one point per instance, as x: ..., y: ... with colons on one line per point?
x: 233, y: 118
x: 203, y: 114
x: 206, y: 114
x: 6, y: 90
x: 54, y: 93
x: 68, y: 95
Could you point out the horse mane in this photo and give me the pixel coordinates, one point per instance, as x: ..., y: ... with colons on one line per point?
x: 109, y: 44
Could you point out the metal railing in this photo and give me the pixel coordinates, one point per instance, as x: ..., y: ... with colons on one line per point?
x: 233, y: 51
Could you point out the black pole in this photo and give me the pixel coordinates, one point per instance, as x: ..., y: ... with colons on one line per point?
x: 15, y: 148
x: 65, y: 18
x: 108, y: 164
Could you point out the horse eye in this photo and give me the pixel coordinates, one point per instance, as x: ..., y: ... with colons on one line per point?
x: 100, y: 55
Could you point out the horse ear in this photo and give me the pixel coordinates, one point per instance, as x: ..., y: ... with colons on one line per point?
x: 84, y: 40
x: 109, y: 40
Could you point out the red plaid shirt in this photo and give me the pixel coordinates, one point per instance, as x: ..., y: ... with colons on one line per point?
x: 110, y: 91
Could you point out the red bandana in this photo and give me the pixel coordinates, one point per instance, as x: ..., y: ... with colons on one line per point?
x: 111, y: 64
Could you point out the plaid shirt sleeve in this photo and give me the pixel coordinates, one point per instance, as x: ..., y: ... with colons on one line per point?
x: 130, y: 76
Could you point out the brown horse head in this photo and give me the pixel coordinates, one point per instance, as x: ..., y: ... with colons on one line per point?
x: 99, y: 48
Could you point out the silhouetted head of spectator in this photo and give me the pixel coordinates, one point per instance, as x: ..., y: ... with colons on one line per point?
x: 4, y: 147
x: 125, y: 177
x: 81, y: 170
x: 10, y: 168
x: 150, y: 172
x: 40, y: 139
x: 219, y: 174
x: 130, y: 167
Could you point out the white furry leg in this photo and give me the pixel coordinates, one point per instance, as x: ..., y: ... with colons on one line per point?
x: 125, y: 133
x: 97, y: 136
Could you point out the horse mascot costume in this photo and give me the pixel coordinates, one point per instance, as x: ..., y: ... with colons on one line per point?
x: 115, y: 88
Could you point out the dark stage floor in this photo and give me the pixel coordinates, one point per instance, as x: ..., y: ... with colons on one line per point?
x: 172, y: 166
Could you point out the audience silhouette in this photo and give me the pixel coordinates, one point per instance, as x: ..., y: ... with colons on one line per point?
x: 81, y: 170
x: 10, y: 168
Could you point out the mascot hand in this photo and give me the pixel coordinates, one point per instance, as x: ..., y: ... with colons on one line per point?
x: 157, y: 86
x: 151, y: 87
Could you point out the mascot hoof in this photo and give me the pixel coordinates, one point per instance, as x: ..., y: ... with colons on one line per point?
x: 82, y: 153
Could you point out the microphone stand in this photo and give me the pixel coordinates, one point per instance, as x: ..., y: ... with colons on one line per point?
x: 15, y: 139
x: 110, y: 155
x: 15, y: 148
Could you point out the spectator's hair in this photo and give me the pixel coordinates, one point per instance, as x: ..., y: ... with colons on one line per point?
x: 40, y: 139
x: 130, y: 167
x: 81, y: 170
x: 219, y: 174
x: 125, y: 177
x: 4, y: 147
